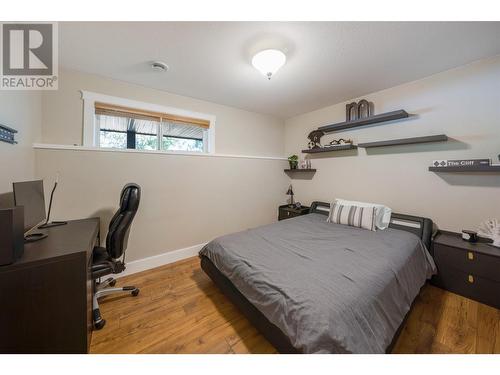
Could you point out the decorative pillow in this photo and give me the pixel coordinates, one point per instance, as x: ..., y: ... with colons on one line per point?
x: 354, y: 216
x: 382, y: 213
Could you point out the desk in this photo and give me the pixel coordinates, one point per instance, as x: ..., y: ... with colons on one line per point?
x: 46, y: 296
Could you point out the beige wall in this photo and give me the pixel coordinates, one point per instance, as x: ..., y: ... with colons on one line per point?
x: 22, y: 111
x: 463, y: 103
x: 186, y: 200
x: 189, y: 200
x: 237, y: 131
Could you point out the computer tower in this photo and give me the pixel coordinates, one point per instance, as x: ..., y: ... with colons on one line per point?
x: 12, y: 238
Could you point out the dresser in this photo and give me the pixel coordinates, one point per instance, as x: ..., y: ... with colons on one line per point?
x: 287, y: 212
x: 469, y: 269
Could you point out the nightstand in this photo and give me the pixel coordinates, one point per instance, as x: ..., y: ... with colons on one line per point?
x: 287, y: 212
x: 469, y: 269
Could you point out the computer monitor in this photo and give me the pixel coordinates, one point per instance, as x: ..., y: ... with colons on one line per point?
x: 30, y: 195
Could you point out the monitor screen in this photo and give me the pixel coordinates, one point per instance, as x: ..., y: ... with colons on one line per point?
x: 30, y: 195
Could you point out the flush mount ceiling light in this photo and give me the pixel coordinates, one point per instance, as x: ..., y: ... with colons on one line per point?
x: 269, y: 61
x: 159, y: 66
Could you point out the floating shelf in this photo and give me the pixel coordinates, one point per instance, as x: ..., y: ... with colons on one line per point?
x: 405, y: 141
x: 383, y: 117
x: 485, y: 168
x: 301, y: 170
x: 329, y: 149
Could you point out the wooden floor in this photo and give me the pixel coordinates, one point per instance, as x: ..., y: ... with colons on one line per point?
x: 179, y: 310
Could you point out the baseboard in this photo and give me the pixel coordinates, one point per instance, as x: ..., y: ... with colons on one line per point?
x: 160, y: 260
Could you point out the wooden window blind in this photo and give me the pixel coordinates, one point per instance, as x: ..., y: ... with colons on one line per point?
x: 119, y: 111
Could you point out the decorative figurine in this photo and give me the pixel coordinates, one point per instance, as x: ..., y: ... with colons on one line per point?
x: 315, y: 138
x: 351, y: 111
x: 364, y: 109
x: 359, y: 110
x: 341, y: 142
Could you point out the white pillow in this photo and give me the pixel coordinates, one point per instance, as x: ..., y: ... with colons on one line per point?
x: 382, y: 213
x: 354, y: 216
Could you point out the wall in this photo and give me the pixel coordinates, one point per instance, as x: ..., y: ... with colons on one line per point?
x: 186, y: 200
x: 237, y: 131
x: 462, y: 103
x: 22, y: 111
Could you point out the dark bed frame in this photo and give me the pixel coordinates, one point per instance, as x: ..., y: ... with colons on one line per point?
x: 420, y: 226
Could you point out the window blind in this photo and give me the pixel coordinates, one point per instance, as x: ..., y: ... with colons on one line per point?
x: 138, y: 114
x: 126, y: 124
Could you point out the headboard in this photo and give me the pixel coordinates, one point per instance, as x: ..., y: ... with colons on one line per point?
x: 420, y: 226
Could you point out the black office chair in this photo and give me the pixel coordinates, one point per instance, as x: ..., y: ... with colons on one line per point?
x: 111, y: 260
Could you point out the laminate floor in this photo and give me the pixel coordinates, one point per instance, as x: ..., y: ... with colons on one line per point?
x: 180, y: 310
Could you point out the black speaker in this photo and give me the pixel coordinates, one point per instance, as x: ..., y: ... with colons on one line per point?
x: 12, y: 238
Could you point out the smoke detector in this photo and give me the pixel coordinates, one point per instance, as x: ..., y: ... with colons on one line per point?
x: 159, y: 66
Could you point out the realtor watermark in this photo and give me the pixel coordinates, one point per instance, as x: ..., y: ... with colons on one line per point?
x: 29, y: 56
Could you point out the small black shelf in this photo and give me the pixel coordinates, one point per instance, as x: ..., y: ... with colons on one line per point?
x: 300, y: 170
x: 329, y: 149
x: 383, y: 117
x: 405, y: 141
x: 485, y: 168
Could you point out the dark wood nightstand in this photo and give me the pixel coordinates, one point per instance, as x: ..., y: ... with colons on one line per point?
x: 287, y: 212
x: 469, y: 269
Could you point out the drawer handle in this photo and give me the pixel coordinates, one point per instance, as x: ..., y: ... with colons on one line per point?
x: 470, y: 279
x: 470, y: 255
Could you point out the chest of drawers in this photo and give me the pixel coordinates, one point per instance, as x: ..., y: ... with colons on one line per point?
x: 469, y: 269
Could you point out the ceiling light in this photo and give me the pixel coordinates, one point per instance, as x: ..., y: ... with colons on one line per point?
x: 269, y: 61
x: 159, y: 66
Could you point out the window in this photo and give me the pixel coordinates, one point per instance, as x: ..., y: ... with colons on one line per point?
x: 129, y: 128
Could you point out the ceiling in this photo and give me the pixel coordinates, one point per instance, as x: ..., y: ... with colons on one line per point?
x: 327, y: 62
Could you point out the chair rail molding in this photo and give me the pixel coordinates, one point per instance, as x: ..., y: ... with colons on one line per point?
x: 48, y: 146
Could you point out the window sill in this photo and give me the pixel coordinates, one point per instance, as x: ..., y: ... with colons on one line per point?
x: 45, y: 146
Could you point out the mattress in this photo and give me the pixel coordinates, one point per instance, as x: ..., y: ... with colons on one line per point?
x: 329, y: 288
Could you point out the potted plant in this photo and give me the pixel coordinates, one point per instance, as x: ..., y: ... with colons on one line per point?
x: 293, y: 161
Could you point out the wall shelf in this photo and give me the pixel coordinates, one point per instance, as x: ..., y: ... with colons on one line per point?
x: 300, y: 170
x: 383, y: 117
x: 485, y: 168
x: 329, y: 149
x: 405, y: 141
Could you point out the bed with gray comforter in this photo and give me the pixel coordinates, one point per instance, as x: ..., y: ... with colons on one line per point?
x: 329, y: 288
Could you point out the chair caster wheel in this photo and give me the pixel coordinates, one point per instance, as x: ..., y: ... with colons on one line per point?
x: 112, y: 283
x: 135, y: 292
x: 99, y: 324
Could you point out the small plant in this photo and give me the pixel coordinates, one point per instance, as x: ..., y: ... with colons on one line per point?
x: 293, y: 161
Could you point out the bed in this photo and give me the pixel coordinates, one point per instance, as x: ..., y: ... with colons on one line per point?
x: 315, y: 287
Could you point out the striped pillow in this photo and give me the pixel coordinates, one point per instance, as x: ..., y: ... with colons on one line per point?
x: 355, y: 216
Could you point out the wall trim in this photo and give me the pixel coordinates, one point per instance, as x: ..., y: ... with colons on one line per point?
x: 46, y: 146
x: 159, y: 260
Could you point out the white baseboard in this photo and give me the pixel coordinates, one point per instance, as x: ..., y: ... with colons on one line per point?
x: 159, y: 260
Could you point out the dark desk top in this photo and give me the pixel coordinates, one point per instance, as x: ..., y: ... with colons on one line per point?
x: 78, y: 236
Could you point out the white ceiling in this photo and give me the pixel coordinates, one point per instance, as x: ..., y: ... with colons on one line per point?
x: 328, y: 62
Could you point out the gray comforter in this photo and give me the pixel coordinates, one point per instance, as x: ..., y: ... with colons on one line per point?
x: 330, y: 288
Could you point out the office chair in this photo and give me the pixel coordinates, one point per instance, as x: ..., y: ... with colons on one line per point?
x: 111, y: 259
